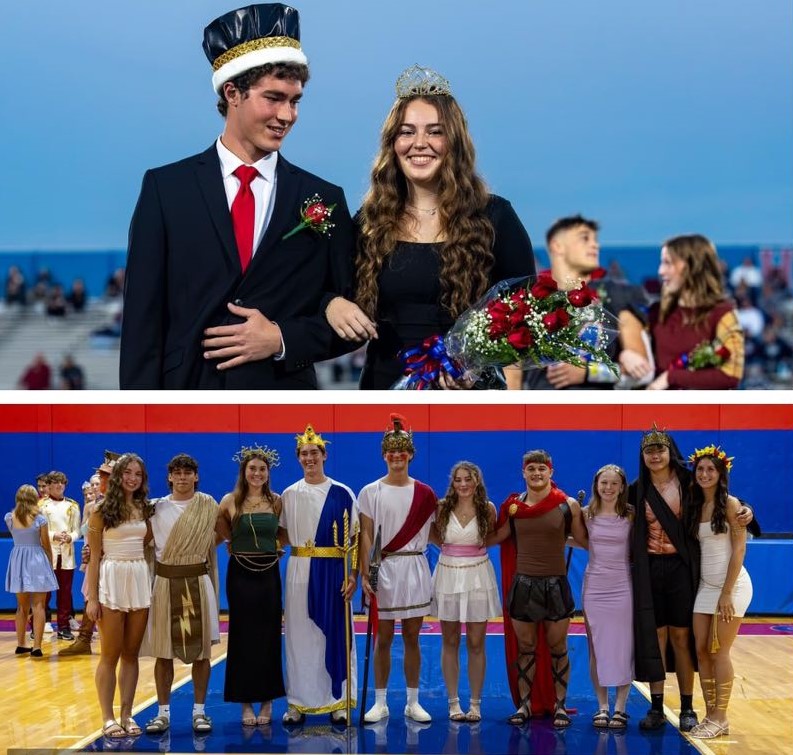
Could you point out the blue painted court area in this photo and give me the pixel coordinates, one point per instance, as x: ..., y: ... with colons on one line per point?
x: 398, y: 735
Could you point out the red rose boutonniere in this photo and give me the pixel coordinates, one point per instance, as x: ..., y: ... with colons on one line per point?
x: 314, y: 215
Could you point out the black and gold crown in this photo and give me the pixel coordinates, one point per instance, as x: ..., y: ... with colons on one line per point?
x: 309, y: 437
x: 417, y: 81
x: 656, y: 437
x: 397, y: 438
x: 248, y: 452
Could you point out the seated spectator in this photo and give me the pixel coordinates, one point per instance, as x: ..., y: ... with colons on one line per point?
x: 78, y: 295
x: 37, y: 376
x: 16, y: 290
x: 774, y: 353
x: 747, y: 273
x: 751, y: 318
x: 56, y: 302
x: 115, y: 284
x: 72, y: 376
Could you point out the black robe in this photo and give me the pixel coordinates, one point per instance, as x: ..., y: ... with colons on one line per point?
x: 647, y: 653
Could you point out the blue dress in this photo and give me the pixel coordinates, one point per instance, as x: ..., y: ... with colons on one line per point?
x: 29, y: 569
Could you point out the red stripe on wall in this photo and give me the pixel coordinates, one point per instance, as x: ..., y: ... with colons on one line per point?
x: 279, y: 418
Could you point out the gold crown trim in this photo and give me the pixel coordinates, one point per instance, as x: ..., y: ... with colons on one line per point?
x: 247, y: 452
x: 309, y: 437
x: 712, y: 451
x: 656, y: 437
x: 421, y: 82
x: 252, y: 46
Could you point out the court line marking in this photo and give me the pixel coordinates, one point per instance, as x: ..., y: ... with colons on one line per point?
x: 145, y: 704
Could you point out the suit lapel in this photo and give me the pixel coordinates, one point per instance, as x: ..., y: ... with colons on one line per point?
x: 210, y: 182
x: 286, y: 212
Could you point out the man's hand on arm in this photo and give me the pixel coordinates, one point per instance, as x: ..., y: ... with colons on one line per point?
x: 254, y: 339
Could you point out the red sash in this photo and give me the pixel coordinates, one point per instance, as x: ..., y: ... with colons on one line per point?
x: 543, y: 693
x: 422, y: 507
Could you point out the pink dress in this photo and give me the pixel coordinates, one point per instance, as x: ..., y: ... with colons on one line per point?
x: 608, y: 598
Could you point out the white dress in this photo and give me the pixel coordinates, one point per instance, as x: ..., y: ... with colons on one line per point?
x: 124, y: 579
x: 716, y: 552
x: 464, y: 588
x: 404, y: 586
x: 308, y: 684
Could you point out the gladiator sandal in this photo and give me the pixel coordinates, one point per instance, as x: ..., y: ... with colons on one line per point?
x: 708, y: 685
x: 525, y: 674
x: 560, y: 673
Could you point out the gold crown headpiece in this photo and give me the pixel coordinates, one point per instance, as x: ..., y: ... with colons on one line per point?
x: 397, y: 438
x: 714, y: 452
x: 248, y: 452
x: 656, y: 437
x: 106, y: 467
x: 421, y: 82
x: 310, y: 437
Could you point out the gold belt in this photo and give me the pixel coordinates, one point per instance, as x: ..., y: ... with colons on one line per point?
x: 317, y: 551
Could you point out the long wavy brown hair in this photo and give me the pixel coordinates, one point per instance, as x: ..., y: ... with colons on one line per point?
x: 703, y: 285
x: 718, y: 520
x: 466, y: 254
x: 114, y: 508
x: 26, y: 504
x: 450, y: 500
x: 622, y: 507
x: 242, y: 489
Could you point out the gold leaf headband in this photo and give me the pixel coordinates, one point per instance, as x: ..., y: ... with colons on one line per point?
x: 309, y: 437
x: 248, y: 452
x: 421, y: 82
x: 714, y: 452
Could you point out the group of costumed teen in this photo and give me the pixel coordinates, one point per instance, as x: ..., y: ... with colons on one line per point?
x: 664, y: 576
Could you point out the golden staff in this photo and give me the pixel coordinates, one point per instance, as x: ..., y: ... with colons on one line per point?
x: 349, y: 547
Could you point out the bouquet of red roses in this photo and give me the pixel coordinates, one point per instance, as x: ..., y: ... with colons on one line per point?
x: 518, y: 320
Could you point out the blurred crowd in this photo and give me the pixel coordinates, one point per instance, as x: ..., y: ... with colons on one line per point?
x: 762, y: 295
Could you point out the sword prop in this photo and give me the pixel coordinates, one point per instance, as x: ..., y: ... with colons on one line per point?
x: 349, y: 546
x: 375, y: 558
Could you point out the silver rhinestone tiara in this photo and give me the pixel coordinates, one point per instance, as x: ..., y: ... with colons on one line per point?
x: 417, y: 81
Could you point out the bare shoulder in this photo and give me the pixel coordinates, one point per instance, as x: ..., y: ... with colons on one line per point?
x: 574, y: 505
x: 733, y: 507
x: 227, y: 501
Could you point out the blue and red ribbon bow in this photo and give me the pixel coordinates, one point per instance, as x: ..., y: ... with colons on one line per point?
x: 422, y: 364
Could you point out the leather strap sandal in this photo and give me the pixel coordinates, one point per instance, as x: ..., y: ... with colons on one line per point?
x: 601, y: 719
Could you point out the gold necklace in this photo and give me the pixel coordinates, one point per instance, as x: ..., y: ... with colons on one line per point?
x: 430, y: 211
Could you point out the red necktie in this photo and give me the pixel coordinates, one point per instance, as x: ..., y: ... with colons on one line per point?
x: 243, y: 211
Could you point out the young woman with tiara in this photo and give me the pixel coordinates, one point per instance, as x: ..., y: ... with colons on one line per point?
x: 608, y: 594
x: 464, y: 587
x: 725, y: 589
x: 248, y: 520
x: 431, y: 239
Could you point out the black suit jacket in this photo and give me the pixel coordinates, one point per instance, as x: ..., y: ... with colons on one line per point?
x: 183, y: 268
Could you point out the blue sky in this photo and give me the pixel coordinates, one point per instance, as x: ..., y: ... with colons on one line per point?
x: 656, y: 118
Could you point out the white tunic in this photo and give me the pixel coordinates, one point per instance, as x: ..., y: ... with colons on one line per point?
x: 166, y: 513
x: 404, y: 585
x: 308, y: 684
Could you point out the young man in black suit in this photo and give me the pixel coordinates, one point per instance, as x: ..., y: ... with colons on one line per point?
x: 219, y: 293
